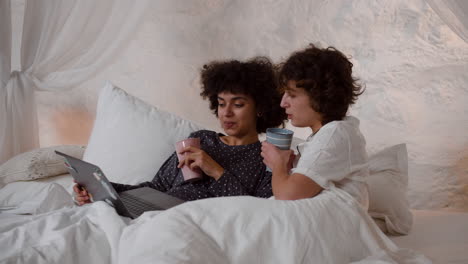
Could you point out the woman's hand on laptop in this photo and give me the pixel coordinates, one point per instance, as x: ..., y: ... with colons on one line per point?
x: 81, y: 195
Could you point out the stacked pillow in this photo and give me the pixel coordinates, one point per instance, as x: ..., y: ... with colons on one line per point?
x: 388, y: 181
x: 36, y: 164
x: 131, y: 139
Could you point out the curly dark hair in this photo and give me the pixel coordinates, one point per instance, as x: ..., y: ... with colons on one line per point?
x: 255, y: 77
x: 326, y: 76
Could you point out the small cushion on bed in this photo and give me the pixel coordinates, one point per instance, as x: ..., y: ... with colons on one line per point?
x: 131, y: 139
x: 37, y: 163
x: 388, y: 181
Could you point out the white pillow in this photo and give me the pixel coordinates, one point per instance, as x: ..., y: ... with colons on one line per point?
x: 131, y: 139
x: 388, y: 182
x: 37, y: 163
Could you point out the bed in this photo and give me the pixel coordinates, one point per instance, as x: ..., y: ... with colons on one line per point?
x: 39, y: 223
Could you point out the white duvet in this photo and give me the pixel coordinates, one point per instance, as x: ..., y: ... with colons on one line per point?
x: 330, y: 228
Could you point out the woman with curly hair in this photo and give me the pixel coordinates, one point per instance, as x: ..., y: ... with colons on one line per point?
x: 245, y: 99
x: 318, y: 89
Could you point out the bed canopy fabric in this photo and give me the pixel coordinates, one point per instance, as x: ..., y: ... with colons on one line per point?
x: 67, y: 42
x: 454, y: 13
x: 63, y: 44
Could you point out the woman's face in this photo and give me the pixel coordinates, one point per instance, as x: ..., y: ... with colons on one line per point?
x: 296, y: 102
x: 237, y: 114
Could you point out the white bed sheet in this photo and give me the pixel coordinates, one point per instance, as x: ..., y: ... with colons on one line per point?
x: 205, y: 231
x: 65, y: 180
x: 440, y: 235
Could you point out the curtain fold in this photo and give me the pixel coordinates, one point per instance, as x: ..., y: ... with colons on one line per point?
x: 64, y: 43
x: 5, y: 42
x: 454, y: 13
x: 19, y: 120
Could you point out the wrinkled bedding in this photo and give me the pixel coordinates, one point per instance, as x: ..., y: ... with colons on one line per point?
x: 330, y: 228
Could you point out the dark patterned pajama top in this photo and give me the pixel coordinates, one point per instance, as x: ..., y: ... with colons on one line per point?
x: 244, y: 172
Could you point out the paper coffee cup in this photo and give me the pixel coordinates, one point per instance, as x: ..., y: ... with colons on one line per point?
x: 187, y: 172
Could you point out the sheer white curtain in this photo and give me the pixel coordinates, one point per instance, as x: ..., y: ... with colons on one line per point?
x: 63, y: 44
x: 454, y: 13
x: 5, y: 42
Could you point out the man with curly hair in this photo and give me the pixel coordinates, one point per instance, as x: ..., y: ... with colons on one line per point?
x: 319, y: 88
x: 245, y: 99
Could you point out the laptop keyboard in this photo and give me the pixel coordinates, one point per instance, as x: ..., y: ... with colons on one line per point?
x: 136, y: 205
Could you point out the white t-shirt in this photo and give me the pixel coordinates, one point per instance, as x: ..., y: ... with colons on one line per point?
x: 336, y: 156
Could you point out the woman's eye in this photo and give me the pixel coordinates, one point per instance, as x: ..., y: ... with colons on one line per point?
x: 239, y: 105
x: 221, y: 105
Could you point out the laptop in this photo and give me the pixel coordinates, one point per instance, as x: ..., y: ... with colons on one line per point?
x: 130, y: 203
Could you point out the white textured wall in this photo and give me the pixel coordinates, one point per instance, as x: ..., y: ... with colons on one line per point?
x: 415, y: 70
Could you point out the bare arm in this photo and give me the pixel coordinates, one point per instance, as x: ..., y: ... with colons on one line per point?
x: 286, y: 186
x: 293, y: 187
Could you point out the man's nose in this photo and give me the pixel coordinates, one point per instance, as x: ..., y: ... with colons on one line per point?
x: 284, y: 102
